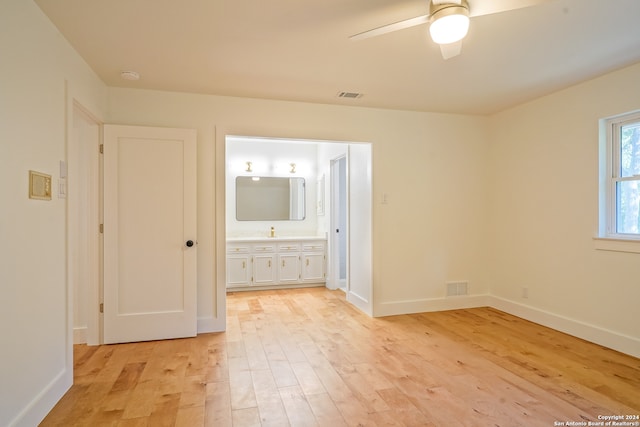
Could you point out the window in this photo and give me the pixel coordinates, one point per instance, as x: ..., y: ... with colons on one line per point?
x: 623, y: 177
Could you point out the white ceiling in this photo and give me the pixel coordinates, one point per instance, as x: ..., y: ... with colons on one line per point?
x: 299, y: 49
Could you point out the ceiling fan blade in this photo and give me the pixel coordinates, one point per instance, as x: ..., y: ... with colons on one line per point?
x: 487, y: 7
x: 401, y: 25
x: 450, y: 50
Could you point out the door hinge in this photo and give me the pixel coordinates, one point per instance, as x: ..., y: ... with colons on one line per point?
x: 101, y: 148
x: 101, y: 307
x: 101, y: 228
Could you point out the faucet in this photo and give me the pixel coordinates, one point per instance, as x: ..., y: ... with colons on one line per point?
x: 273, y: 232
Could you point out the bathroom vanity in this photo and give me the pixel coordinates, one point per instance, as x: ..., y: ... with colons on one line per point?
x: 275, y: 262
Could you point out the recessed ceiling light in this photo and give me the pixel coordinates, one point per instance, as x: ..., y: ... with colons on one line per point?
x: 129, y: 75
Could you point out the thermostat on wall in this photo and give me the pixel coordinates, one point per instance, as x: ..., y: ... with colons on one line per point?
x: 39, y: 186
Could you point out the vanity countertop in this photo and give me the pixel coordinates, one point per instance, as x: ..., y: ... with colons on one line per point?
x: 271, y: 239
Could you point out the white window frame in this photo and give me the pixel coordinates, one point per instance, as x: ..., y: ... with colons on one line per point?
x: 609, y: 177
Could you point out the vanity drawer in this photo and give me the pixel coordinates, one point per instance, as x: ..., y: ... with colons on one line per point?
x: 288, y: 247
x: 260, y: 248
x: 237, y: 248
x: 313, y: 247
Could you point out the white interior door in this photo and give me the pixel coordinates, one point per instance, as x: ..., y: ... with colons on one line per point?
x: 149, y: 233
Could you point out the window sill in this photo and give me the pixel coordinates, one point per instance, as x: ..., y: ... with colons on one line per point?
x: 617, y: 245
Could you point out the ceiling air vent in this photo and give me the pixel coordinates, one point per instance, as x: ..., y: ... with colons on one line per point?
x: 349, y: 95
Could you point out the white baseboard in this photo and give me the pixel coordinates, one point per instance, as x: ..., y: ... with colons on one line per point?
x: 361, y: 303
x: 80, y: 335
x: 209, y: 324
x: 393, y: 308
x: 44, y: 401
x: 595, y: 334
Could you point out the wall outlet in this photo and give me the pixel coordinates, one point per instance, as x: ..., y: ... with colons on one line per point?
x: 525, y: 292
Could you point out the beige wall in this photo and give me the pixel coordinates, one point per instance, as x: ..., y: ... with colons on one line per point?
x: 35, y: 319
x: 544, y: 206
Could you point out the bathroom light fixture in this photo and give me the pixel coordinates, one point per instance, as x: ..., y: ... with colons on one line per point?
x: 449, y: 23
x: 293, y: 168
x: 248, y: 169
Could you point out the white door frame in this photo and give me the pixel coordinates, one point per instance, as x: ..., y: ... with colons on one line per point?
x: 360, y: 226
x: 334, y: 240
x: 83, y: 188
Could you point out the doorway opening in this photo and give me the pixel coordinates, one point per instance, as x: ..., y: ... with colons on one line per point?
x: 338, y: 186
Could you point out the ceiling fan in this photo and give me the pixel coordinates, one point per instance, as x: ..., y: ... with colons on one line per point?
x: 449, y: 20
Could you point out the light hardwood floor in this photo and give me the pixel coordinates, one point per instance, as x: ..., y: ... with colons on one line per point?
x: 305, y: 357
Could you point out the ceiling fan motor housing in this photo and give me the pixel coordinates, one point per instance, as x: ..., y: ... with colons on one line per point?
x: 437, y: 11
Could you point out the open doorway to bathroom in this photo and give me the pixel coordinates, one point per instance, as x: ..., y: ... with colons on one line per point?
x: 336, y: 183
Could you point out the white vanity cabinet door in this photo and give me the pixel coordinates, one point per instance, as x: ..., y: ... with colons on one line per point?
x: 264, y: 272
x: 313, y: 267
x: 238, y: 270
x: 238, y: 265
x: 313, y: 262
x: 288, y: 268
x: 264, y: 264
x: 288, y: 263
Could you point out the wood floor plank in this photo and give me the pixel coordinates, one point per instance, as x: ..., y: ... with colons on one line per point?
x: 306, y: 357
x: 194, y: 392
x: 270, y: 407
x: 165, y: 411
x: 283, y: 373
x: 218, y: 404
x: 298, y: 410
x: 190, y: 416
x: 242, y: 392
x: 133, y: 422
x: 246, y: 417
x: 141, y: 401
x: 307, y: 378
x: 325, y: 410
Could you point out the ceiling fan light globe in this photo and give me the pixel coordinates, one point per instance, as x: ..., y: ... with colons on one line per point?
x: 449, y: 28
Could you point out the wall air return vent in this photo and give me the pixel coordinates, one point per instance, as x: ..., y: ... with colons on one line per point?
x: 457, y: 288
x: 349, y: 95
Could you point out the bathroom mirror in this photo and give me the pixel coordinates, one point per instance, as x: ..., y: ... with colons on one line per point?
x: 260, y: 198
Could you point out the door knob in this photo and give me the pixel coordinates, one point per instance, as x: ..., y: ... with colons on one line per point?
x: 189, y: 243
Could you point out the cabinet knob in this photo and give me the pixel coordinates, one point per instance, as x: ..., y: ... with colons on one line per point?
x: 189, y: 243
